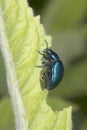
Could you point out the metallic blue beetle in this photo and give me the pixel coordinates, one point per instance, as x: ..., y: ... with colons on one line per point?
x: 54, y: 69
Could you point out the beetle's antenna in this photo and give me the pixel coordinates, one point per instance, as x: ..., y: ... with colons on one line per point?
x: 46, y: 43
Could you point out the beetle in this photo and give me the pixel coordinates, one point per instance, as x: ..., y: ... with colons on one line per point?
x: 54, y: 69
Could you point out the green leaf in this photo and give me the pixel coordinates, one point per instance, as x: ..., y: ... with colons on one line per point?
x: 64, y: 14
x: 84, y: 125
x: 6, y: 114
x: 21, y: 34
x: 3, y: 85
x: 57, y: 103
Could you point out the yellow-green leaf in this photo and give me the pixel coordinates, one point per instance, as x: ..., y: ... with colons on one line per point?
x: 6, y: 114
x: 21, y: 34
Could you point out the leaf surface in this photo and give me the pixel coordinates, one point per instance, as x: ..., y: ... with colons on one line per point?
x: 21, y: 34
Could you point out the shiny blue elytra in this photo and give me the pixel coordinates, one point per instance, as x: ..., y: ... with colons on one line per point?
x: 52, y: 69
x: 55, y: 71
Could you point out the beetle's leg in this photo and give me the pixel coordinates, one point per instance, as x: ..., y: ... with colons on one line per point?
x: 53, y: 61
x: 40, y: 52
x: 43, y: 66
x: 44, y: 54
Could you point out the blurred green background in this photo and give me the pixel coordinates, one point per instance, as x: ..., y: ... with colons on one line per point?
x: 66, y: 22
